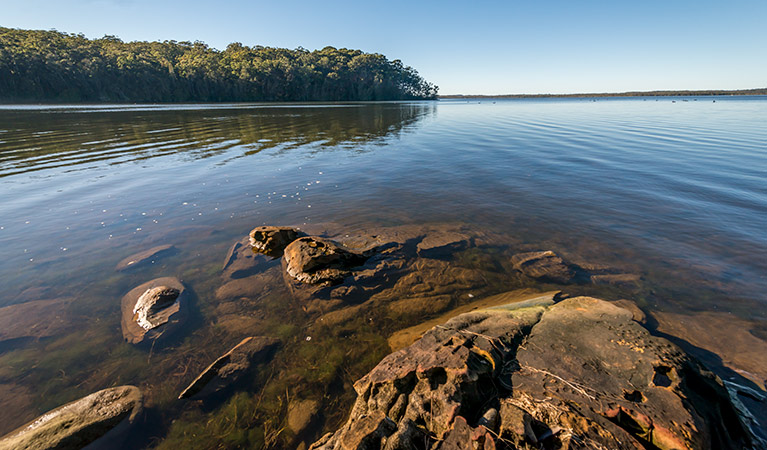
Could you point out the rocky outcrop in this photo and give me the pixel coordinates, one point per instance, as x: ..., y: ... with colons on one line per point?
x: 316, y: 260
x: 576, y: 374
x: 153, y: 309
x: 101, y: 417
x: 271, y: 241
x: 144, y: 257
x: 230, y: 366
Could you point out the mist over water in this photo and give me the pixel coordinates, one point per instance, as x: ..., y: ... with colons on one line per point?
x: 672, y: 189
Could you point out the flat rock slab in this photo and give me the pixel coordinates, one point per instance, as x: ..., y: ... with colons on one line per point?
x: 230, y: 366
x: 442, y: 243
x: 545, y: 266
x: 576, y: 374
x: 241, y: 261
x: 79, y: 423
x: 35, y: 319
x: 165, y: 321
x: 144, y: 257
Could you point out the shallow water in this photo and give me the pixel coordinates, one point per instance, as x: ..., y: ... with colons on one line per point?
x: 671, y: 189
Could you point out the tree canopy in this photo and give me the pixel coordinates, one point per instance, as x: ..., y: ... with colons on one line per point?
x: 51, y: 66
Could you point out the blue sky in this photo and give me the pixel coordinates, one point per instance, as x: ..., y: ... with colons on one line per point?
x: 480, y: 47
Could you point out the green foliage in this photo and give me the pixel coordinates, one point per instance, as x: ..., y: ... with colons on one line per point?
x: 61, y: 67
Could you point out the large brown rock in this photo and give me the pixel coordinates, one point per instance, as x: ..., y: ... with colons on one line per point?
x: 154, y: 309
x: 272, y: 241
x: 102, y: 417
x: 315, y: 260
x: 576, y: 374
x: 230, y: 366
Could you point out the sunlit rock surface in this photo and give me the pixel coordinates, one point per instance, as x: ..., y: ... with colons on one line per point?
x: 104, y: 416
x: 575, y: 374
x: 271, y: 241
x: 153, y: 309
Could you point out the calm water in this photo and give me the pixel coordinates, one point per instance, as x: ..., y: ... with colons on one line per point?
x: 674, y: 191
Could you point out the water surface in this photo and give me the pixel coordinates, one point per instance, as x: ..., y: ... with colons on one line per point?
x: 671, y: 189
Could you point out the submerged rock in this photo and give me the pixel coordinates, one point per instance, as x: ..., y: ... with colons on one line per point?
x: 315, y: 260
x: 141, y: 258
x: 271, y: 240
x: 576, y: 374
x: 100, y: 417
x: 301, y: 414
x: 153, y: 309
x: 35, y: 319
x: 230, y: 366
x: 442, y: 243
x: 545, y: 266
x: 241, y: 261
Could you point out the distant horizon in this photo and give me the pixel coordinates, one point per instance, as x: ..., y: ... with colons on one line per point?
x: 652, y: 93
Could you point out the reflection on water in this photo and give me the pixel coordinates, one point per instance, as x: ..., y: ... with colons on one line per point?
x: 673, y: 192
x: 34, y: 140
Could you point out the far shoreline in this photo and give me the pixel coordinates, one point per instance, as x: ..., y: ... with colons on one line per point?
x: 698, y: 93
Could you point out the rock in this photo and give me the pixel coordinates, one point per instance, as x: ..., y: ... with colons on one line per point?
x: 230, y: 366
x: 253, y: 286
x: 576, y: 374
x: 141, y: 258
x: 301, y: 414
x: 407, y: 336
x: 103, y: 414
x: 442, y: 243
x: 153, y: 309
x: 241, y: 261
x: 35, y: 319
x: 545, y: 266
x: 725, y: 335
x: 316, y: 260
x: 272, y: 241
x: 636, y: 313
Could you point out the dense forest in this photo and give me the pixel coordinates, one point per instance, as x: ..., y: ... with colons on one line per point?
x: 51, y: 66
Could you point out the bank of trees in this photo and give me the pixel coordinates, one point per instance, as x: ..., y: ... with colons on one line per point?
x: 51, y: 66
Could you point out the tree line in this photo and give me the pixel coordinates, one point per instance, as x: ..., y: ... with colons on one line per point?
x: 51, y: 66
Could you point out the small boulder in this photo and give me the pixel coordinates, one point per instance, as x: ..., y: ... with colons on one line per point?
x: 315, y: 260
x: 155, y: 308
x: 230, y: 366
x: 98, y: 416
x: 546, y: 266
x: 272, y: 241
x: 144, y: 257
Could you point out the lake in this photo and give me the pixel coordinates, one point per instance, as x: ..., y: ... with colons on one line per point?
x: 670, y: 190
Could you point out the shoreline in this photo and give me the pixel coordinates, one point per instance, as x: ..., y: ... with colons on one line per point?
x: 662, y: 93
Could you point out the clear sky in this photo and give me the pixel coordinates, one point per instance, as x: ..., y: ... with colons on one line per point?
x: 469, y: 47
